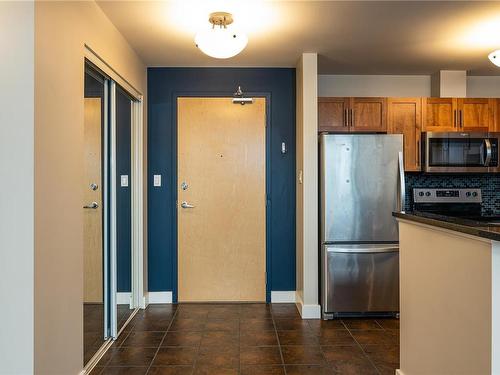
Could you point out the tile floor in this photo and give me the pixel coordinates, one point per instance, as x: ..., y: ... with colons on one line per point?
x: 93, y: 323
x: 249, y: 339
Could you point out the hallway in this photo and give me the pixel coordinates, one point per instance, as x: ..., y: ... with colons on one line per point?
x: 249, y: 339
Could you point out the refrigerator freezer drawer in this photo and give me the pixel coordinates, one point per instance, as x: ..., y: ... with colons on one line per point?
x: 360, y: 278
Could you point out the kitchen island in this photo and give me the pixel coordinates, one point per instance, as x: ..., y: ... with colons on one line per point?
x: 449, y: 295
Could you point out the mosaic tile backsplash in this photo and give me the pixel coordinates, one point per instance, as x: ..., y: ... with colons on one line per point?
x: 488, y: 183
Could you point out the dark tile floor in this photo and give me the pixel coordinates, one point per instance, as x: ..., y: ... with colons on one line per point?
x: 249, y: 339
x: 93, y: 326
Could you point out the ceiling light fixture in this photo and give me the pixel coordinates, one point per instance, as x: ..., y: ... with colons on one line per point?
x: 220, y: 41
x: 495, y: 57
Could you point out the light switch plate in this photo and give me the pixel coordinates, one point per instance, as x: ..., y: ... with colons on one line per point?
x: 157, y: 180
x: 124, y: 180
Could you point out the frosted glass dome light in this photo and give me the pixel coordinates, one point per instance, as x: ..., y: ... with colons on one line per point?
x: 495, y: 57
x: 220, y: 41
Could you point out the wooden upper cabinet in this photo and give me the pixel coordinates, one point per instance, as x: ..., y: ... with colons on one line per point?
x: 439, y: 114
x: 368, y: 115
x: 496, y: 115
x: 352, y: 115
x: 332, y: 114
x: 476, y: 114
x: 404, y: 116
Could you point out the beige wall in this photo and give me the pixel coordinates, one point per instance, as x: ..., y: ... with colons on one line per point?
x: 446, y: 302
x: 62, y: 29
x: 399, y: 86
x: 307, y: 189
x: 16, y: 190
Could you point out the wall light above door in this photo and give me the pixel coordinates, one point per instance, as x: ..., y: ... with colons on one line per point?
x: 495, y: 57
x: 220, y: 41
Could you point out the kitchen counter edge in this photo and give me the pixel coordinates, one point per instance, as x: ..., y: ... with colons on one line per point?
x: 456, y: 224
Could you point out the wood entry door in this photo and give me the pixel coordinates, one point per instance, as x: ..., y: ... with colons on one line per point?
x: 92, y: 203
x: 221, y: 172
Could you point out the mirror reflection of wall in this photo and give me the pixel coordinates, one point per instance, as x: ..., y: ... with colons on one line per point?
x: 123, y: 206
x: 93, y: 219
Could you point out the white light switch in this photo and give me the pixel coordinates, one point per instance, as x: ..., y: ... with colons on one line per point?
x: 157, y: 180
x: 124, y: 180
x: 283, y: 147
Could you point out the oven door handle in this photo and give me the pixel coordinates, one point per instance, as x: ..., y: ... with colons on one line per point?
x: 487, y: 159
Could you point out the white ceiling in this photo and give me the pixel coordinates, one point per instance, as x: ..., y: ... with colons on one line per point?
x: 351, y: 37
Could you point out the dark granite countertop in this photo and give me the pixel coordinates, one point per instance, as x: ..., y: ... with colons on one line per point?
x: 463, y: 225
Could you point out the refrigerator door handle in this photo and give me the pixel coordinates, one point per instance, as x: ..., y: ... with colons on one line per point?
x: 392, y: 248
x: 402, y: 187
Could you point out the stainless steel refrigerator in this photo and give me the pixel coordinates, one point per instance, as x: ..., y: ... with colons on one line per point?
x: 361, y: 184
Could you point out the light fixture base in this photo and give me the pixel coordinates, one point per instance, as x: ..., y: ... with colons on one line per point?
x: 220, y: 18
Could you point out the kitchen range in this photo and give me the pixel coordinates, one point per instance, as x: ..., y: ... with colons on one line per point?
x: 453, y: 205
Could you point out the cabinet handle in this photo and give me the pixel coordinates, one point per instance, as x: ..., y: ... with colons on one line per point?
x: 454, y: 118
x: 346, y: 120
x: 461, y: 119
x: 418, y: 152
x: 352, y: 117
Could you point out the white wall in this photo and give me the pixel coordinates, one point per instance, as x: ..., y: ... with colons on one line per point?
x: 16, y: 188
x: 374, y: 85
x: 307, y: 189
x: 62, y: 30
x: 483, y: 87
x: 399, y: 86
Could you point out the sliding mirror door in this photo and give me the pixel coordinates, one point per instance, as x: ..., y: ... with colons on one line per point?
x: 94, y: 311
x: 123, y: 110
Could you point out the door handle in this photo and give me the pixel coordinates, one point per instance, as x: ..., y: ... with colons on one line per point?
x: 487, y: 159
x: 402, y: 189
x: 186, y: 205
x: 92, y: 206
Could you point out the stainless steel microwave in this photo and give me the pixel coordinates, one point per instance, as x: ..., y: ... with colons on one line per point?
x: 460, y: 152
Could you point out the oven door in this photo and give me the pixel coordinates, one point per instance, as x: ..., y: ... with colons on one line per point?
x: 461, y: 152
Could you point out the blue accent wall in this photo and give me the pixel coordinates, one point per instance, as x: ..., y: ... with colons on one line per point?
x: 164, y: 85
x: 123, y: 196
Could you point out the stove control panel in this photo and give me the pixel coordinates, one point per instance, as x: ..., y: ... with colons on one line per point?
x: 447, y: 195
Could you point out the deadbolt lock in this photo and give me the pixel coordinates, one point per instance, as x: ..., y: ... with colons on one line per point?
x: 184, y: 185
x: 94, y: 186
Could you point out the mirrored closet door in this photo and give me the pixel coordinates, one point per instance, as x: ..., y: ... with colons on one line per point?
x: 94, y: 296
x: 108, y: 302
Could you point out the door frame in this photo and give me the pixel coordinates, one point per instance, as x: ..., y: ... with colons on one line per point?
x: 175, y: 178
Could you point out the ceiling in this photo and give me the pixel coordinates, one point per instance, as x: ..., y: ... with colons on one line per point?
x: 350, y: 37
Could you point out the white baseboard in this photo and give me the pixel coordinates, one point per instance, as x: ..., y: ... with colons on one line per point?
x: 307, y: 311
x: 283, y: 296
x: 158, y: 297
x: 399, y: 372
x: 123, y: 298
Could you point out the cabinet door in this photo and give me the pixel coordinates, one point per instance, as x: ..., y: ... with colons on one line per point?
x: 405, y: 117
x: 440, y: 114
x: 496, y: 115
x: 332, y: 114
x: 368, y: 115
x: 475, y: 114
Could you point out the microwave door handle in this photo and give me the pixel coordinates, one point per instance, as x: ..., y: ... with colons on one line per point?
x: 487, y: 160
x: 402, y: 187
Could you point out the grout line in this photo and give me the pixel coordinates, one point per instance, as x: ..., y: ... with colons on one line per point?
x: 278, y: 339
x: 362, y: 349
x: 163, y: 339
